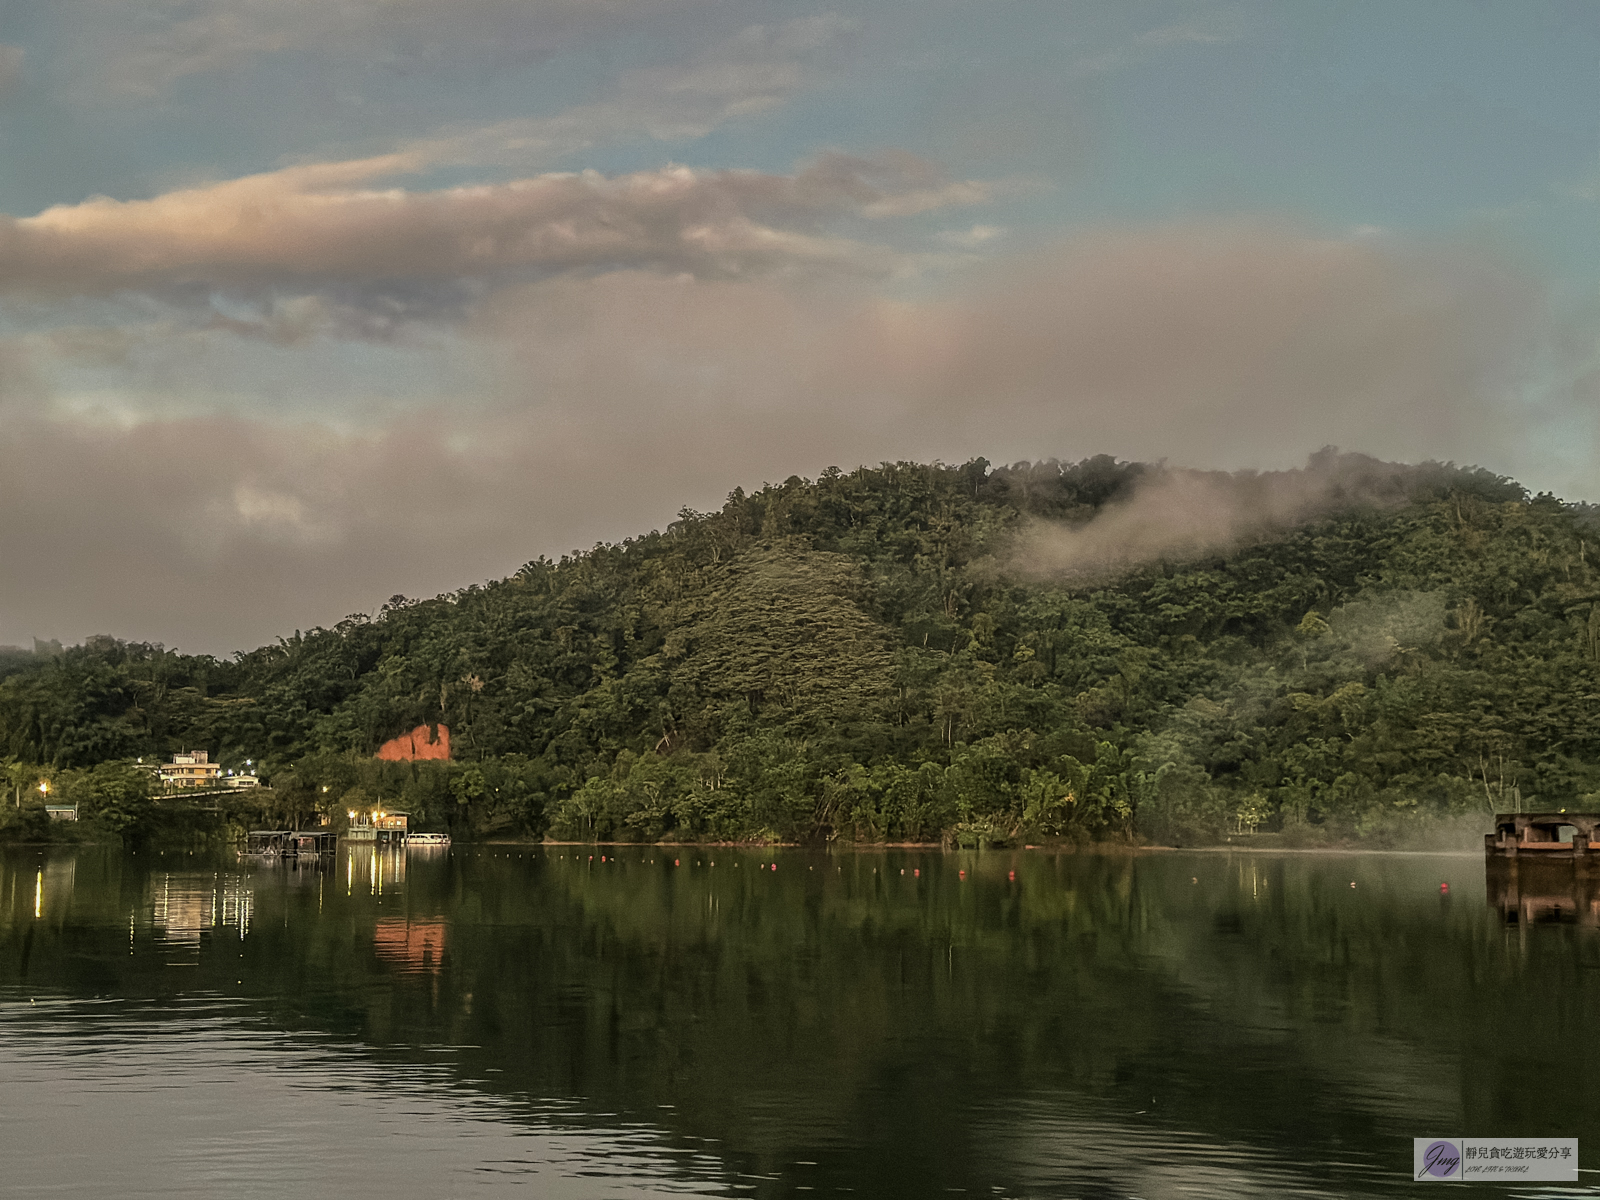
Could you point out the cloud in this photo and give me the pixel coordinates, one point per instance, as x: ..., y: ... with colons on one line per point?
x: 1215, y: 28
x: 316, y: 229
x: 11, y: 59
x: 606, y: 402
x: 1211, y: 342
x: 147, y: 49
x: 972, y: 239
x: 753, y: 71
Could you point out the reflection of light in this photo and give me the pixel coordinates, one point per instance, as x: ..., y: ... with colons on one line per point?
x: 38, y: 894
x: 189, y: 904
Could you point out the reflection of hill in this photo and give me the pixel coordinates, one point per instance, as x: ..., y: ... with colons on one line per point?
x: 904, y: 1032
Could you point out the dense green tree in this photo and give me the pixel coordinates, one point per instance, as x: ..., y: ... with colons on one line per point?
x: 871, y: 655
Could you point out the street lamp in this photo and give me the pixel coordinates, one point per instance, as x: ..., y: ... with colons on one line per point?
x: 44, y: 788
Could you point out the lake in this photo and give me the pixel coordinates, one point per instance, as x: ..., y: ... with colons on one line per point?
x: 598, y: 1021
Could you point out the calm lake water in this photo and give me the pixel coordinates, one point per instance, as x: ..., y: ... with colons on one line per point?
x: 476, y: 1020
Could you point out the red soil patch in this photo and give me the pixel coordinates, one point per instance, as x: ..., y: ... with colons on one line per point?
x: 423, y: 742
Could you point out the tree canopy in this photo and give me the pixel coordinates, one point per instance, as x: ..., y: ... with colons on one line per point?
x: 868, y: 655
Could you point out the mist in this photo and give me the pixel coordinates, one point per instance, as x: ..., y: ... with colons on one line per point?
x: 1173, y: 514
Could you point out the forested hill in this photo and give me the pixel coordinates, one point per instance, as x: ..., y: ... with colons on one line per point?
x: 875, y: 655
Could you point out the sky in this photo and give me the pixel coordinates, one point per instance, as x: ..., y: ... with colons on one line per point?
x: 305, y: 304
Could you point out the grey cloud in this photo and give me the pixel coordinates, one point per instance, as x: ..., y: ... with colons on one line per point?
x: 11, y: 60
x: 619, y: 398
x: 1221, y: 342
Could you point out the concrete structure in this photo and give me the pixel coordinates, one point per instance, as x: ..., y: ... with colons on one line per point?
x: 1544, y: 835
x: 61, y: 812
x: 190, y: 769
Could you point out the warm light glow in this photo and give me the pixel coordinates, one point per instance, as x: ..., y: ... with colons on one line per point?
x: 351, y: 813
x: 44, y: 787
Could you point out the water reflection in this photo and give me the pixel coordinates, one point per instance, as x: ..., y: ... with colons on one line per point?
x: 377, y: 869
x: 188, y: 1103
x: 1539, y: 892
x: 411, y: 945
x: 898, y: 1023
x: 47, y: 888
x: 185, y: 904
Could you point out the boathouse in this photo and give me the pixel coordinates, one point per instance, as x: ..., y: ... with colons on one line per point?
x: 378, y: 825
x: 1546, y: 834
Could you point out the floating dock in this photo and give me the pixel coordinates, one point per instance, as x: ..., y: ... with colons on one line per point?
x: 282, y: 843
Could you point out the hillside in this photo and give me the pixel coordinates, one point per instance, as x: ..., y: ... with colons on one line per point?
x: 912, y: 652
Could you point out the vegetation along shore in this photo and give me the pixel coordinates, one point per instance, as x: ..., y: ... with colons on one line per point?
x: 1356, y: 652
